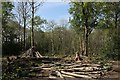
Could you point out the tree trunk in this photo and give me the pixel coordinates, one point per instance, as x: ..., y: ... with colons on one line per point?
x: 52, y: 42
x: 86, y: 38
x: 116, y: 19
x: 24, y: 33
x: 81, y: 45
x: 32, y: 35
x: 24, y: 23
x: 85, y: 12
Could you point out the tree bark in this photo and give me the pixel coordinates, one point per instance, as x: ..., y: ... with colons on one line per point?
x: 32, y: 36
x: 116, y: 19
x: 85, y: 12
x: 52, y: 42
x: 76, y: 75
x: 24, y: 23
x: 86, y: 37
x: 24, y: 33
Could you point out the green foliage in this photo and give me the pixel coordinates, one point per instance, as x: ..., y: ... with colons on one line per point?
x: 103, y: 24
x: 104, y: 44
x: 92, y: 11
x: 110, y: 13
x: 9, y: 32
x: 38, y: 21
x: 111, y: 50
x: 6, y: 12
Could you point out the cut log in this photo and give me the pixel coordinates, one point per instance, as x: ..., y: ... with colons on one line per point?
x: 67, y: 70
x: 95, y: 65
x: 95, y: 72
x: 64, y: 75
x: 66, y: 64
x: 38, y: 55
x: 82, y: 69
x: 59, y: 74
x: 84, y: 65
x: 31, y: 53
x: 75, y: 66
x: 50, y: 76
x: 75, y: 75
x: 87, y: 69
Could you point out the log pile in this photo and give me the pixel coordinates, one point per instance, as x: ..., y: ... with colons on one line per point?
x: 31, y: 53
x: 73, y: 70
x: 60, y: 68
x: 81, y: 71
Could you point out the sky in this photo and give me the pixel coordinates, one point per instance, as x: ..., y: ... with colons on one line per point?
x: 54, y: 11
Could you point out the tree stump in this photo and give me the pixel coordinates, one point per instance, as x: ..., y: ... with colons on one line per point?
x: 77, y: 57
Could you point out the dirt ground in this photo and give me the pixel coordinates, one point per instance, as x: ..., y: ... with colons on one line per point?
x: 115, y: 72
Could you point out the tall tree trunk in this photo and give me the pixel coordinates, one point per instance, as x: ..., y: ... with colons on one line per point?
x: 52, y: 45
x: 82, y: 46
x: 24, y: 23
x: 116, y: 19
x: 86, y: 39
x: 85, y: 12
x: 52, y: 42
x: 24, y: 33
x: 32, y: 36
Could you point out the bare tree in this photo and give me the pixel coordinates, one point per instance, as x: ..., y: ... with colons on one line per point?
x: 23, y: 14
x: 51, y: 26
x: 34, y: 7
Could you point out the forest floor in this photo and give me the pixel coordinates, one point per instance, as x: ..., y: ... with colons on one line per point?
x: 115, y: 72
x: 32, y: 69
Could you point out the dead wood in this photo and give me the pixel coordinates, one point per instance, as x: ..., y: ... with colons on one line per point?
x: 31, y: 53
x: 59, y: 74
x: 77, y: 57
x: 94, y: 72
x: 64, y: 75
x: 75, y: 75
x: 87, y: 69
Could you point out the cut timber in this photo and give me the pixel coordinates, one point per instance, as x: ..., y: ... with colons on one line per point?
x: 38, y: 55
x: 95, y: 72
x: 95, y: 65
x: 50, y: 76
x: 31, y: 53
x: 87, y: 69
x: 40, y: 68
x: 67, y: 70
x: 75, y: 75
x: 75, y: 66
x: 64, y: 75
x: 59, y: 74
x: 82, y: 69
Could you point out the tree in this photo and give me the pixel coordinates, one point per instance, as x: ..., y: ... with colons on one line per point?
x: 51, y: 26
x: 84, y: 16
x: 6, y: 15
x: 23, y: 14
x: 112, y: 13
x: 33, y: 9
